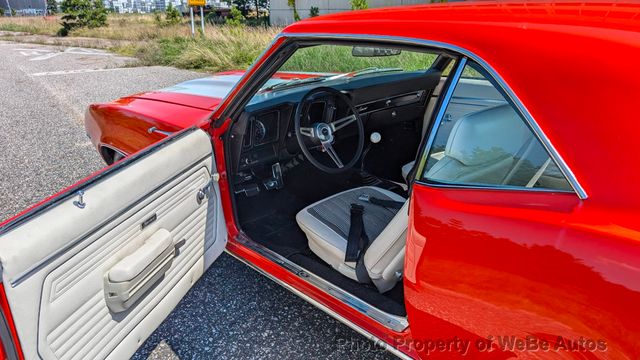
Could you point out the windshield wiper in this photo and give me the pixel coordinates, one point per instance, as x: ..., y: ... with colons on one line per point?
x: 294, y: 82
x: 365, y: 71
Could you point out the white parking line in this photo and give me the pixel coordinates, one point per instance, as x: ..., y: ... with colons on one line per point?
x: 79, y: 71
x: 44, y: 54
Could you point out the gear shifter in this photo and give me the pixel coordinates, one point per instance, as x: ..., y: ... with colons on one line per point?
x: 374, y: 138
x: 365, y: 177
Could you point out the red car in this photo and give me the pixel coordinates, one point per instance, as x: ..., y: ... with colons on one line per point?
x: 439, y: 178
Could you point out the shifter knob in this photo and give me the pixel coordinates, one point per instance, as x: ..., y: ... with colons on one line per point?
x: 375, y: 137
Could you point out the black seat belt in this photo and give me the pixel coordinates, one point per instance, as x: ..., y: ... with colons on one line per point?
x: 358, y: 238
x: 389, y: 204
x: 357, y: 243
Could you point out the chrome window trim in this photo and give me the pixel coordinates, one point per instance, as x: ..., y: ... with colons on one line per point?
x: 553, y: 153
x: 433, y: 128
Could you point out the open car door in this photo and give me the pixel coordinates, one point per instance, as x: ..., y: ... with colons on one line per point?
x: 93, y: 271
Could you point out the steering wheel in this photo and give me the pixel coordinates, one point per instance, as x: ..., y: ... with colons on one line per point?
x: 321, y: 132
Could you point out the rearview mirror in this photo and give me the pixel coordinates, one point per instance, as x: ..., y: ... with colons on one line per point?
x: 368, y: 51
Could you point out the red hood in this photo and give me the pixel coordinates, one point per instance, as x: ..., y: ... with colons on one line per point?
x: 194, y: 101
x: 207, y: 93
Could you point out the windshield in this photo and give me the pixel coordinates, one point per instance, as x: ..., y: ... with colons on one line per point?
x: 341, y: 59
x: 316, y: 64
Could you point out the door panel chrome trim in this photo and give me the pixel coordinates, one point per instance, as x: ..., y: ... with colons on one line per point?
x: 327, y: 310
x: 92, y: 179
x: 102, y: 226
x: 566, y: 171
x: 393, y: 322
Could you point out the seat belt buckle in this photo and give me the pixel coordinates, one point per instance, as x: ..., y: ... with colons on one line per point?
x: 357, y: 208
x: 363, y: 197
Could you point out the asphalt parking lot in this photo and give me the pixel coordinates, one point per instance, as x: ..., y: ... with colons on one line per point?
x: 232, y: 312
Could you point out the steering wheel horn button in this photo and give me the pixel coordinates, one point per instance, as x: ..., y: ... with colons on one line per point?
x: 323, y: 132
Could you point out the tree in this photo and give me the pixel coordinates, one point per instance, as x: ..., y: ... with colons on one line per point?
x: 292, y: 5
x: 359, y: 5
x: 262, y: 5
x: 245, y: 6
x: 235, y: 17
x: 82, y: 13
x: 314, y: 11
x: 52, y: 7
x: 172, y: 15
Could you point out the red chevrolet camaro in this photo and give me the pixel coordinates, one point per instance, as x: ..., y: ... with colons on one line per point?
x: 448, y: 180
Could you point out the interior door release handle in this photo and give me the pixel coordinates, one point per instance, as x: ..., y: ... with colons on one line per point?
x: 154, y: 129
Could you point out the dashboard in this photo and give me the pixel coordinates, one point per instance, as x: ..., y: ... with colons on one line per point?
x: 262, y: 129
x: 383, y: 101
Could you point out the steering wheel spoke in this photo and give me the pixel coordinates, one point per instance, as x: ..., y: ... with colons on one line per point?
x: 341, y: 123
x: 307, y: 131
x: 328, y: 148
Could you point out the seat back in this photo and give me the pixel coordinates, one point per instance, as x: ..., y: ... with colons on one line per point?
x: 384, y: 259
x: 477, y: 150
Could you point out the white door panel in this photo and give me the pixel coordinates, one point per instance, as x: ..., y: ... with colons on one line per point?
x: 144, y: 221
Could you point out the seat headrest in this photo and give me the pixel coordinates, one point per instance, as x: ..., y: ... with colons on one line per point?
x: 487, y: 135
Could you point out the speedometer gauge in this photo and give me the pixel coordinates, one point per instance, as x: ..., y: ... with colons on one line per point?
x: 259, y: 132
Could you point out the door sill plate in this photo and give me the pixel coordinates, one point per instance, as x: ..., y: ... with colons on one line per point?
x: 393, y: 322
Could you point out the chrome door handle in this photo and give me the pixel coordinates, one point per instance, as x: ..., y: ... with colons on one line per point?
x: 154, y: 129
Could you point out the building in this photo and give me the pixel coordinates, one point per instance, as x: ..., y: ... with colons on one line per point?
x: 24, y: 7
x: 281, y: 14
x: 37, y: 7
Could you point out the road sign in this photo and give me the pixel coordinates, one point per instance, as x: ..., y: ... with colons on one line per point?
x: 197, y: 2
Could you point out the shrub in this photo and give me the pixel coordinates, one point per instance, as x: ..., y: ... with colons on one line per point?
x: 235, y: 17
x: 359, y: 5
x: 214, y: 19
x: 157, y: 17
x: 82, y: 13
x: 172, y: 15
x: 314, y: 11
x: 52, y: 7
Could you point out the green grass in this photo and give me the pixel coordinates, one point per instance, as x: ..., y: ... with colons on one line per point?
x: 220, y: 48
x: 332, y: 58
x: 223, y: 48
x: 28, y: 25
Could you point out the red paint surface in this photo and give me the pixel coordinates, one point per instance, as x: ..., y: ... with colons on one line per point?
x: 124, y: 123
x: 196, y: 101
x: 482, y: 262
x: 500, y: 263
x: 4, y: 306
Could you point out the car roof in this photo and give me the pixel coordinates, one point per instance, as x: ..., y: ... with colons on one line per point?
x: 574, y: 67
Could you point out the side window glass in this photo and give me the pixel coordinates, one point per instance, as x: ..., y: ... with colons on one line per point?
x: 483, y: 140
